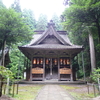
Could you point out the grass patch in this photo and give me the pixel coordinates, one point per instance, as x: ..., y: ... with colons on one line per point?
x: 68, y: 87
x: 79, y: 92
x: 82, y: 96
x: 27, y: 92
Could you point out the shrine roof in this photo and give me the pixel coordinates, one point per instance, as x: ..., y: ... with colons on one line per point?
x: 50, y: 39
x: 53, y: 46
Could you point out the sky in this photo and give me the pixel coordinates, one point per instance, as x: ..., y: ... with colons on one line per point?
x: 47, y: 7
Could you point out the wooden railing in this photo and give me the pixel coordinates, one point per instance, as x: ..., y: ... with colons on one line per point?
x: 37, y: 70
x: 65, y: 71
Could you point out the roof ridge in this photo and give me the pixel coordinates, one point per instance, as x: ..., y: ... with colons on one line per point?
x: 50, y: 31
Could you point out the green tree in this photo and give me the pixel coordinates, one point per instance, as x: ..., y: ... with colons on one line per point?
x: 96, y: 75
x: 17, y: 61
x: 42, y: 22
x: 16, y: 6
x: 57, y: 22
x: 82, y: 18
x: 1, y: 4
x: 84, y: 11
x: 4, y: 74
x: 29, y: 18
x: 12, y: 28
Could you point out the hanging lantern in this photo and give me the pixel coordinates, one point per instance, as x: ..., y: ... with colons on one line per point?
x: 34, y: 61
x: 64, y: 61
x: 68, y: 62
x: 55, y: 61
x: 37, y: 60
x: 41, y: 61
x: 47, y: 61
x: 61, y: 61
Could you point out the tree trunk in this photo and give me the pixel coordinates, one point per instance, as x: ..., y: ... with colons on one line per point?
x: 92, y: 52
x: 2, y: 62
x: 98, y: 28
x: 1, y: 83
x: 3, y: 56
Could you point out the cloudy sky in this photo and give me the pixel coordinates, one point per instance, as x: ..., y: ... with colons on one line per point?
x: 48, y: 7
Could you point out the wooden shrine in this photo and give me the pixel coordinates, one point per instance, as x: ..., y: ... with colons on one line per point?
x: 51, y: 54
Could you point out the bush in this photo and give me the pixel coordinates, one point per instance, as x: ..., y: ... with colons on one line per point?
x: 95, y: 75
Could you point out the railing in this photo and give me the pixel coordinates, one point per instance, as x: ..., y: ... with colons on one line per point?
x: 11, y: 87
x: 95, y: 88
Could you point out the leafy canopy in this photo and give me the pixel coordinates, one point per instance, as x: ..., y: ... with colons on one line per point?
x: 83, y: 13
x: 5, y: 72
x: 29, y: 18
x: 95, y: 75
x: 12, y: 27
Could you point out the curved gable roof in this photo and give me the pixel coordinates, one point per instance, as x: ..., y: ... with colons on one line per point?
x: 51, y: 32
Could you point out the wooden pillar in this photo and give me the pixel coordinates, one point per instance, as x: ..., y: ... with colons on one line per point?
x: 58, y: 69
x: 44, y: 68
x: 50, y: 67
x: 31, y: 68
x: 71, y: 76
x: 83, y: 66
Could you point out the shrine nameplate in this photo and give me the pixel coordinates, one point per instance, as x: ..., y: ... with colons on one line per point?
x: 65, y: 71
x: 37, y: 70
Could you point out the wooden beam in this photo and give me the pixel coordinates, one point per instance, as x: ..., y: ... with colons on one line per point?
x: 71, y: 76
x: 44, y: 68
x: 58, y: 69
x: 51, y: 67
x: 31, y: 68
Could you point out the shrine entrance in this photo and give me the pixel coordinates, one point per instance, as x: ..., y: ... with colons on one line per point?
x: 51, y: 68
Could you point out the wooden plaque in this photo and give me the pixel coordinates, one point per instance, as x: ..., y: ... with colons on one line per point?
x: 65, y: 71
x: 37, y: 70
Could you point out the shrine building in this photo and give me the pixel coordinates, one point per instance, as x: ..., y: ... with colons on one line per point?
x: 51, y: 54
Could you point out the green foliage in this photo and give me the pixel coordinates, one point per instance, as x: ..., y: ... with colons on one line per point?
x: 69, y: 87
x: 57, y: 22
x: 5, y: 72
x: 29, y: 18
x: 79, y: 92
x: 80, y: 73
x: 79, y: 18
x: 12, y: 28
x: 95, y: 75
x: 1, y: 4
x: 42, y: 22
x: 16, y: 6
x: 17, y: 61
x: 30, y: 90
x: 84, y: 12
